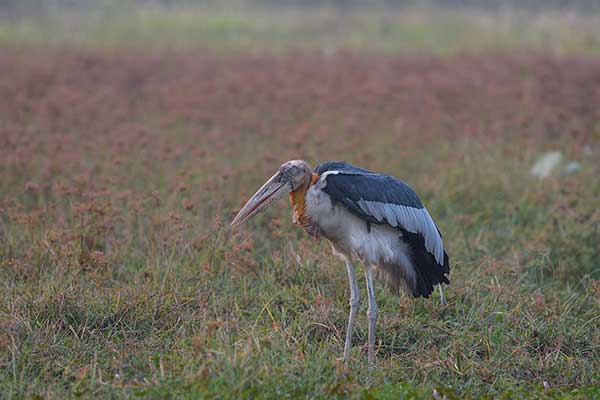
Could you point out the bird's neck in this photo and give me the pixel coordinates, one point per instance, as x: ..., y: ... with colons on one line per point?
x: 298, y: 204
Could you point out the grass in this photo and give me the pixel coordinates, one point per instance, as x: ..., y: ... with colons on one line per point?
x: 121, y: 168
x: 413, y: 30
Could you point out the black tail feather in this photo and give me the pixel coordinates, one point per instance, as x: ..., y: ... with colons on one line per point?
x: 428, y: 271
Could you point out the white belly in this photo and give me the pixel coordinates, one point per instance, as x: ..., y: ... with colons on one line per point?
x: 349, y: 235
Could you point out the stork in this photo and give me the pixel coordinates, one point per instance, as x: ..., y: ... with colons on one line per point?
x: 375, y: 218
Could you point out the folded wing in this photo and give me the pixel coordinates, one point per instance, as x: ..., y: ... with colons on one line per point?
x: 382, y: 199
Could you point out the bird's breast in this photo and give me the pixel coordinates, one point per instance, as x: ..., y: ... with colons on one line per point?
x: 329, y: 217
x: 350, y: 235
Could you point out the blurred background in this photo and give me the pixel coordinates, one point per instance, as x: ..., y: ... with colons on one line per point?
x: 441, y: 26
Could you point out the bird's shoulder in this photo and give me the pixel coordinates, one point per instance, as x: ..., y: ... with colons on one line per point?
x: 342, y: 179
x: 341, y: 167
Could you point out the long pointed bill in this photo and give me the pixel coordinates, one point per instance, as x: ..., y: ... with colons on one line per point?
x: 275, y: 188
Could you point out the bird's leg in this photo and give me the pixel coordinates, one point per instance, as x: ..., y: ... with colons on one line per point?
x: 371, y: 312
x: 354, y: 304
x: 442, y: 297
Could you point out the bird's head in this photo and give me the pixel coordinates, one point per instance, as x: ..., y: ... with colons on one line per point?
x: 291, y: 176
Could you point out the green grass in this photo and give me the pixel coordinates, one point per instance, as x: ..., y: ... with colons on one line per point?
x: 220, y: 320
x: 410, y: 30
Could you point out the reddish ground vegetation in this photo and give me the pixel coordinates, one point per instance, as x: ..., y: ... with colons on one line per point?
x: 94, y: 138
x: 73, y: 102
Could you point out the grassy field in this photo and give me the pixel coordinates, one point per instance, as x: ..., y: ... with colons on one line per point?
x: 413, y: 30
x: 120, y: 169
